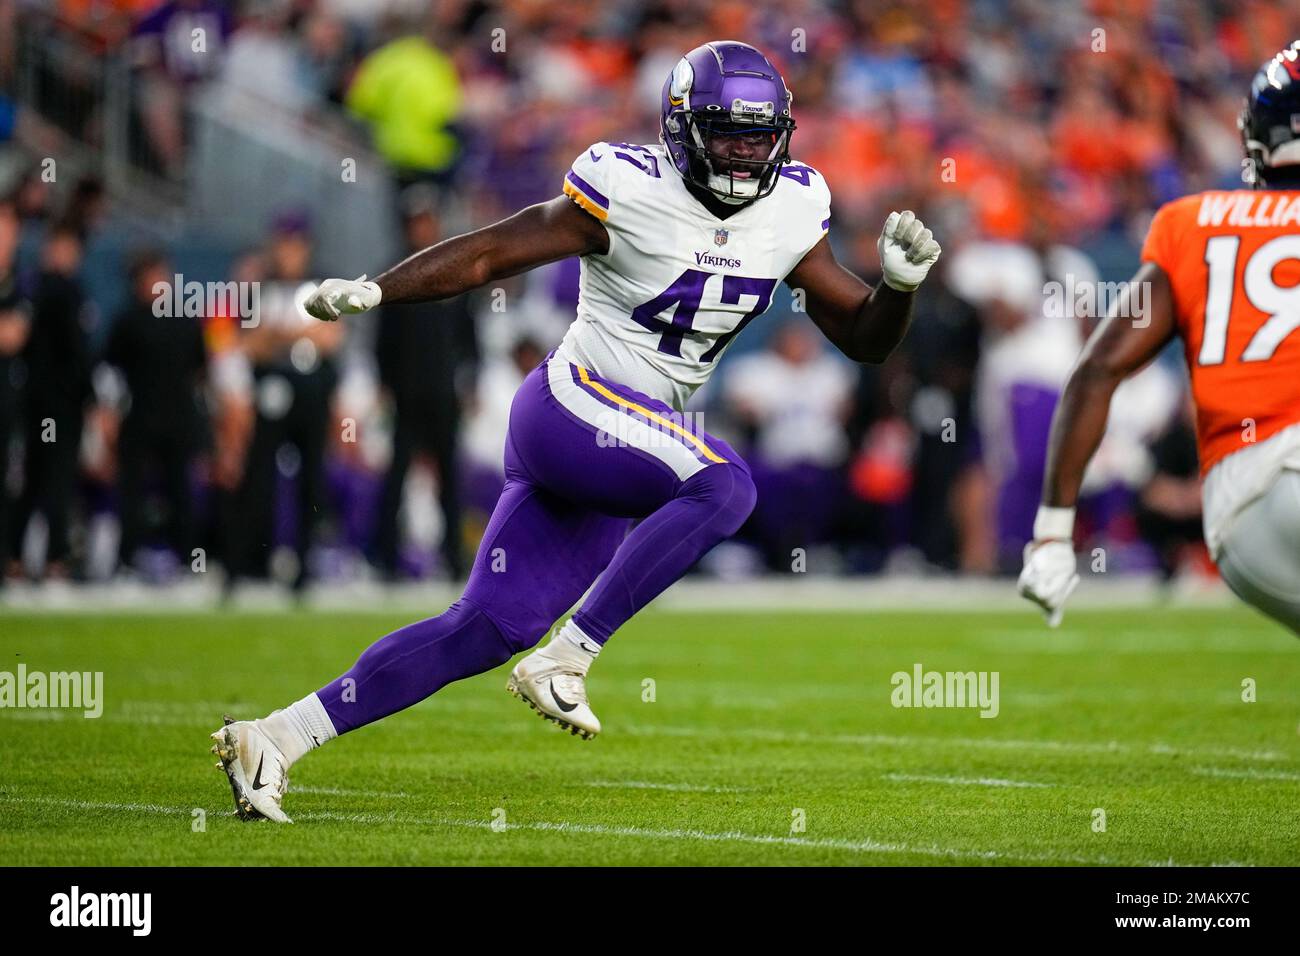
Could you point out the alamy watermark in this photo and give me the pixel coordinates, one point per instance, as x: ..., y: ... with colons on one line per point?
x: 1074, y: 297
x: 664, y: 430
x: 196, y: 300
x: 76, y: 908
x: 922, y: 688
x: 75, y: 690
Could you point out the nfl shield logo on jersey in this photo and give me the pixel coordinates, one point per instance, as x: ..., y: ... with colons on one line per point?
x: 720, y: 237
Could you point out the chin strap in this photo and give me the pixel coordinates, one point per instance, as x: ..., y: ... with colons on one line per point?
x: 731, y: 200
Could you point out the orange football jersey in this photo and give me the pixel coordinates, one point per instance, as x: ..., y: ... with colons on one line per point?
x: 1233, y: 261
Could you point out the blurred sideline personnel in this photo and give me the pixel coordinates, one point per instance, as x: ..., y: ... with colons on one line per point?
x: 682, y: 244
x: 15, y: 324
x: 424, y: 351
x: 794, y: 397
x: 57, y: 358
x: 1222, y: 268
x: 294, y: 378
x: 162, y: 359
x: 409, y: 93
x: 1169, y: 505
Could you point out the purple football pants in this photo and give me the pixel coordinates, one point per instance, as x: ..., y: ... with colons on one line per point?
x: 583, y: 457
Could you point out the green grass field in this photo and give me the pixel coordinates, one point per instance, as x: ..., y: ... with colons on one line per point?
x: 756, y: 717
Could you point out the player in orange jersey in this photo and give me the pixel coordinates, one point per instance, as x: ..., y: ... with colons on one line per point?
x: 1221, y: 271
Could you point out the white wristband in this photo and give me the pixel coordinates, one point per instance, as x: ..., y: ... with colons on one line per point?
x: 1053, y: 523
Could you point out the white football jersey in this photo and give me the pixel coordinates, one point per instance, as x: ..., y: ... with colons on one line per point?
x: 656, y: 312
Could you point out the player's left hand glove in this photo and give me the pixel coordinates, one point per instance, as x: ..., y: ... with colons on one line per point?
x: 907, y: 250
x: 1049, y: 577
x: 335, y: 297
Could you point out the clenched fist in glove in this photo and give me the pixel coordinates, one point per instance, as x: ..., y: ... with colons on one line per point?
x: 335, y: 297
x: 907, y: 250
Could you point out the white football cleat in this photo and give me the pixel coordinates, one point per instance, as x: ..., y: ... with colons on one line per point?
x: 257, y: 770
x: 557, y: 690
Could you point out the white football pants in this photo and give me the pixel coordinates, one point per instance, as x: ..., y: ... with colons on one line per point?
x: 1260, y: 557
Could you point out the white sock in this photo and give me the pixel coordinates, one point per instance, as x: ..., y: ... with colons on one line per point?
x: 300, y: 727
x: 572, y: 646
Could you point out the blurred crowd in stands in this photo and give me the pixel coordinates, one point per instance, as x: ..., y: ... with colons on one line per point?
x: 1035, y: 137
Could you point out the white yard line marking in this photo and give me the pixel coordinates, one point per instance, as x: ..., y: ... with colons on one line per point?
x: 109, y: 717
x: 611, y: 784
x: 101, y: 805
x: 866, y: 846
x: 994, y: 743
x: 779, y: 736
x: 851, y: 846
x: 674, y: 787
x: 341, y: 792
x: 962, y: 781
x: 1247, y: 774
x: 43, y: 714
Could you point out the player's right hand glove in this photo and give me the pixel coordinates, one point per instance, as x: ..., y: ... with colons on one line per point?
x: 907, y: 250
x: 335, y: 297
x: 1049, y: 577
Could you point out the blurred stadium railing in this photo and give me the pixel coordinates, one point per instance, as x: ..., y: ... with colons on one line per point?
x: 250, y: 157
x: 87, y: 99
x: 244, y: 157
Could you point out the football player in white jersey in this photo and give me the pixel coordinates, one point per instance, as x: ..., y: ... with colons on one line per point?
x: 683, y: 243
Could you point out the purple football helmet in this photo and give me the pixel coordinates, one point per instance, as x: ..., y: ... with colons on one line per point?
x: 727, y: 89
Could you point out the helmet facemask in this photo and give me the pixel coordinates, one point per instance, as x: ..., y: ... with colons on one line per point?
x: 736, y: 156
x: 1261, y: 157
x: 1270, y: 121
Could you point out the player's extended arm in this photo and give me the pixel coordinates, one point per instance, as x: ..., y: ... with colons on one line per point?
x: 1121, y: 344
x: 1124, y: 342
x: 546, y: 232
x: 867, y: 324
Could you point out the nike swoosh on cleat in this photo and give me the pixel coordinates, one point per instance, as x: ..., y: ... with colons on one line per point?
x: 257, y: 777
x: 563, y: 704
x: 583, y: 645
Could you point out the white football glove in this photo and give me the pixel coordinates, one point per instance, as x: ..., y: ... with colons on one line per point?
x: 335, y: 297
x: 907, y: 250
x: 1050, y: 576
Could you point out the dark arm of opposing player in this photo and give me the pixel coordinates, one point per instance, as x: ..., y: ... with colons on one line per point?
x: 865, y: 324
x: 1123, y: 343
x: 546, y: 232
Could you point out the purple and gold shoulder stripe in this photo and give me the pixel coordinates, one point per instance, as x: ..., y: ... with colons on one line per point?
x: 586, y: 195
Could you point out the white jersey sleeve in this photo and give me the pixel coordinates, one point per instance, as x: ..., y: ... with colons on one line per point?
x: 808, y: 205
x: 590, y: 182
x: 677, y: 284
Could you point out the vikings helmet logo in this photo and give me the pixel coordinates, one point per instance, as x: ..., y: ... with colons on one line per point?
x: 680, y: 84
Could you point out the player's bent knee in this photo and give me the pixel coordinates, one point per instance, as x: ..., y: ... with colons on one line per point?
x: 516, y: 628
x: 492, y: 641
x: 730, y: 492
x: 524, y: 638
